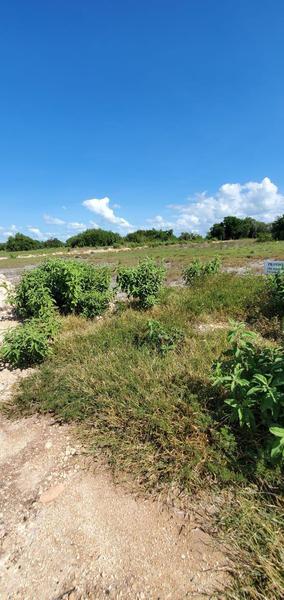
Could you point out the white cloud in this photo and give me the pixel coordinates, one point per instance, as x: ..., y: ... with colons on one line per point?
x: 101, y: 207
x: 260, y: 200
x: 5, y: 233
x: 158, y: 222
x: 53, y: 220
x: 94, y: 224
x: 36, y: 232
x: 76, y: 226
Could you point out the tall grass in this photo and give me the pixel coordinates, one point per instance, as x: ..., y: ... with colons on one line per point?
x: 156, y: 416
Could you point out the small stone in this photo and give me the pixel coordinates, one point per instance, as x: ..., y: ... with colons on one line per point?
x: 52, y: 493
x: 70, y: 451
x: 48, y: 445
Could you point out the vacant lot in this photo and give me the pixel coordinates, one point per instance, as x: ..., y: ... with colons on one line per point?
x: 138, y: 385
x: 240, y: 253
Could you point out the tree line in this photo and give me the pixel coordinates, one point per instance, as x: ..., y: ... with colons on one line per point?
x: 231, y: 228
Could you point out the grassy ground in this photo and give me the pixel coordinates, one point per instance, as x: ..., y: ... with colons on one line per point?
x: 238, y: 253
x: 157, y: 417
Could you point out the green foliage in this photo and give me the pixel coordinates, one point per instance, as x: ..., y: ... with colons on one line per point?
x: 277, y: 228
x: 160, y: 337
x: 277, y: 449
x: 93, y: 303
x: 30, y: 343
x: 66, y: 284
x: 265, y: 236
x: 53, y: 243
x: 32, y: 295
x: 94, y: 237
x: 276, y: 289
x: 252, y: 377
x: 22, y: 242
x: 144, y: 236
x: 143, y: 282
x: 187, y: 236
x: 233, y: 228
x: 198, y: 270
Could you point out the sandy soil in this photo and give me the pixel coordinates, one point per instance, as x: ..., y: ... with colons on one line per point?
x: 68, y: 532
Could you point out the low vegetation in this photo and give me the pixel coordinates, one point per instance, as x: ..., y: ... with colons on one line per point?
x: 169, y: 394
x: 30, y: 343
x: 56, y: 287
x: 142, y: 283
x: 231, y: 228
x: 252, y: 377
x: 197, y: 270
x: 70, y: 286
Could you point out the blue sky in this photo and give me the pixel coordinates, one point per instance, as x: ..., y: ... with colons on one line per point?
x: 159, y: 113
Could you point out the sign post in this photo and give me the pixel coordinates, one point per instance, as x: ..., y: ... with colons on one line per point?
x: 273, y: 266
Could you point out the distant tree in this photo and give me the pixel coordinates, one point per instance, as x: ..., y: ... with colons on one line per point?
x: 188, y: 236
x: 20, y: 242
x: 53, y: 243
x: 277, y: 228
x: 94, y: 237
x: 2, y: 246
x: 142, y: 236
x: 234, y: 228
x: 217, y: 231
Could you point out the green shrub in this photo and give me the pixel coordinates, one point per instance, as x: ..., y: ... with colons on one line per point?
x: 93, y: 304
x: 252, y: 377
x: 30, y: 343
x: 143, y: 282
x: 161, y: 338
x: 197, y: 270
x: 32, y: 295
x: 276, y: 289
x: 264, y: 236
x: 64, y: 284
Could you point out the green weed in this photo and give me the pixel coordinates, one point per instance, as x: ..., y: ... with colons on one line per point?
x: 143, y: 282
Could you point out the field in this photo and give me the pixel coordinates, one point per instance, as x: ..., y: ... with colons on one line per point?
x: 234, y: 254
x: 139, y: 385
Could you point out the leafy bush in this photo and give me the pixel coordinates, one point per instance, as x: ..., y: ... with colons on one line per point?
x: 160, y: 337
x: 252, y: 377
x: 30, y: 343
x: 143, y: 282
x: 20, y: 242
x: 264, y: 236
x: 32, y: 295
x: 276, y: 288
x: 53, y: 243
x: 277, y: 450
x: 93, y: 304
x: 277, y: 228
x: 198, y: 270
x: 64, y: 284
x: 94, y: 237
x: 144, y: 236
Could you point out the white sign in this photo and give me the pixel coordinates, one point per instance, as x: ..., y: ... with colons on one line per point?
x: 273, y: 266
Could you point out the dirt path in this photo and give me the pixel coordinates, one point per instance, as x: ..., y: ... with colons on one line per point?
x: 67, y: 532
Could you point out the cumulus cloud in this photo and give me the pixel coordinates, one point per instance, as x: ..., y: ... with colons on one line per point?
x: 53, y: 220
x: 36, y: 232
x: 94, y: 224
x: 260, y: 200
x: 158, y: 222
x: 76, y: 226
x: 5, y: 233
x: 101, y: 207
